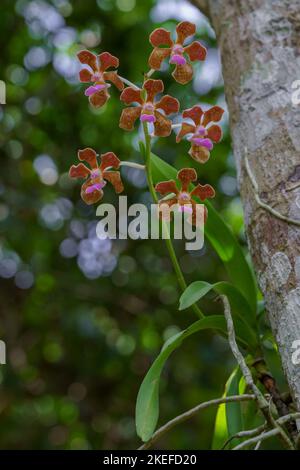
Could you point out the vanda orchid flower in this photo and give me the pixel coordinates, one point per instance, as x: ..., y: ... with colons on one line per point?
x: 203, y: 137
x: 183, y: 72
x: 98, y: 92
x: 183, y: 197
x: 97, y: 175
x: 147, y: 109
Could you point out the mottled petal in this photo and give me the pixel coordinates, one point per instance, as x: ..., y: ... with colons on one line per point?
x: 157, y: 56
x: 88, y: 155
x: 89, y: 193
x: 168, y: 104
x: 114, y: 178
x: 99, y: 98
x: 128, y: 117
x: 166, y: 187
x: 131, y: 95
x: 153, y: 87
x: 79, y: 171
x: 183, y: 73
x: 85, y: 76
x: 194, y: 221
x: 88, y: 58
x: 107, y: 60
x: 114, y: 78
x: 200, y: 154
x: 196, y: 51
x: 195, y: 113
x: 184, y: 30
x: 186, y: 176
x: 213, y: 114
x: 160, y: 37
x: 162, y: 125
x: 185, y: 129
x: 109, y: 159
x: 214, y: 133
x: 164, y: 207
x: 203, y: 192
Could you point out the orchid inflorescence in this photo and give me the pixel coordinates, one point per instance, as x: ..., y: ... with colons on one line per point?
x: 197, y: 126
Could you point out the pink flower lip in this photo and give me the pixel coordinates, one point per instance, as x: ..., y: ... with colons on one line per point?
x: 185, y: 208
x: 95, y: 187
x: 91, y: 90
x: 207, y: 143
x: 148, y: 118
x: 177, y: 59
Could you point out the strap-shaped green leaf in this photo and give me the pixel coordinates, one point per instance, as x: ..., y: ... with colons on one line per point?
x: 147, y: 405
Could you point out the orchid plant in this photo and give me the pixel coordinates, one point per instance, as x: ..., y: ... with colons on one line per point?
x: 155, y: 112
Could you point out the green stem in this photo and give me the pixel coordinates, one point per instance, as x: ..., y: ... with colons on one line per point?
x: 170, y: 247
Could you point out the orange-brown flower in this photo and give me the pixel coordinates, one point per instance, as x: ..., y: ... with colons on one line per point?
x: 203, y: 137
x: 183, y: 72
x: 183, y: 197
x: 97, y: 175
x: 96, y: 74
x: 147, y: 109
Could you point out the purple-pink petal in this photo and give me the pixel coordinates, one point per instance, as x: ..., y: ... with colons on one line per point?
x: 207, y: 143
x: 177, y: 59
x: 148, y: 118
x: 186, y: 208
x: 95, y: 187
x: 91, y: 90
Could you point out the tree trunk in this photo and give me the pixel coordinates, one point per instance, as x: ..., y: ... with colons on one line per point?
x: 259, y: 42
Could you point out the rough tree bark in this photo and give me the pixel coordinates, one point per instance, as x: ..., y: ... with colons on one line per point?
x: 259, y: 42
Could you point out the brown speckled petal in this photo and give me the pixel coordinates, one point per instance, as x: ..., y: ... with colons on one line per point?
x: 164, y: 208
x: 184, y: 30
x: 88, y: 58
x: 160, y: 37
x: 213, y: 114
x: 88, y: 155
x: 157, y: 56
x: 195, y: 113
x: 131, y: 95
x: 99, y: 98
x: 185, y: 129
x: 168, y: 104
x: 107, y: 60
x: 186, y: 176
x: 109, y: 159
x: 85, y: 76
x: 166, y: 187
x: 203, y: 192
x: 92, y: 197
x: 196, y: 51
x: 193, y: 220
x: 183, y: 73
x: 114, y: 178
x: 114, y: 78
x: 79, y: 171
x: 128, y: 117
x: 162, y: 125
x: 153, y: 87
x: 200, y: 154
x: 214, y: 133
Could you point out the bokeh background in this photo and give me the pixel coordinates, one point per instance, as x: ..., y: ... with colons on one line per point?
x: 83, y: 319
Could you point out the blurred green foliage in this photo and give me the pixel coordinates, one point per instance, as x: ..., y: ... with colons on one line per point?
x: 83, y: 322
